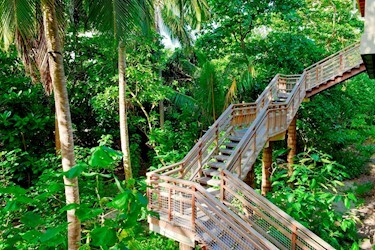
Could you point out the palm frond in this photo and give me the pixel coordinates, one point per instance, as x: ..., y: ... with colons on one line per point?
x: 181, y: 100
x: 172, y: 24
x: 17, y: 17
x: 119, y: 17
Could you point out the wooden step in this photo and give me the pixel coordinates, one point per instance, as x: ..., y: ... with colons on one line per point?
x: 209, y: 181
x: 221, y: 158
x: 226, y: 151
x: 240, y: 132
x: 282, y: 95
x: 235, y: 138
x: 211, y: 172
x: 231, y: 144
x: 216, y: 165
x: 213, y: 191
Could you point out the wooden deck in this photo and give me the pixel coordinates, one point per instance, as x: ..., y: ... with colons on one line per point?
x: 203, y: 200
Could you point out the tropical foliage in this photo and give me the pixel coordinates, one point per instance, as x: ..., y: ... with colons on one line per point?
x: 229, y: 52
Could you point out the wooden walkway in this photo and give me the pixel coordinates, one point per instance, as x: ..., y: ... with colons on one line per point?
x: 203, y: 199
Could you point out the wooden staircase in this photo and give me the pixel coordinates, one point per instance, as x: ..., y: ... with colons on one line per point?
x: 203, y: 200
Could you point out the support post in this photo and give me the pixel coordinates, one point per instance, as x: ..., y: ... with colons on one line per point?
x: 250, y: 178
x: 292, y: 144
x: 266, y: 168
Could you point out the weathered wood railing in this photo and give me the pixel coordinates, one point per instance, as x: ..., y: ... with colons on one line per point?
x: 267, y: 219
x: 242, y: 218
x: 188, y: 205
x: 333, y: 65
x: 276, y: 118
x: 234, y: 117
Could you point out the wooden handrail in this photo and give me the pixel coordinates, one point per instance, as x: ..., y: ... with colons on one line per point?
x: 210, y: 206
x: 269, y: 208
x: 172, y: 184
x: 293, y: 101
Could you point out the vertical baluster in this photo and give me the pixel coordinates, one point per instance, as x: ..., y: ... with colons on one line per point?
x: 294, y: 237
x: 193, y: 212
x: 169, y: 204
x: 341, y: 69
x: 222, y: 184
x: 240, y: 166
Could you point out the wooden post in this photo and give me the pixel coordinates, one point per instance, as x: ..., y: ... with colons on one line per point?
x: 292, y: 144
x: 250, y: 178
x: 266, y: 168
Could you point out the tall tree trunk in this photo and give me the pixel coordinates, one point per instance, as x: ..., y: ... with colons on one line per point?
x: 157, y: 20
x: 57, y: 136
x: 63, y: 116
x: 124, y: 134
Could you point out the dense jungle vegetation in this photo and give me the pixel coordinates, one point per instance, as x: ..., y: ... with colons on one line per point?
x: 227, y: 52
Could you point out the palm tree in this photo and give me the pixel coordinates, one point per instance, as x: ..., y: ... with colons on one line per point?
x: 178, y: 17
x: 120, y: 18
x: 21, y: 23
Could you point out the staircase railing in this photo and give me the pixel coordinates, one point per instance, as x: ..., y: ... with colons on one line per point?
x: 266, y: 218
x: 246, y: 219
x: 333, y: 65
x: 235, y: 116
x: 188, y: 205
x: 277, y: 118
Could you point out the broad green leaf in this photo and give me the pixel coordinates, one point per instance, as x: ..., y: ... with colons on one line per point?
x: 75, y: 171
x: 32, y: 235
x: 31, y: 219
x: 120, y: 201
x: 12, y: 205
x: 355, y: 246
x: 85, y: 213
x: 103, y: 236
x: 104, y: 157
x: 352, y: 197
x: 347, y: 202
x: 16, y: 190
x: 142, y: 199
x: 51, y: 233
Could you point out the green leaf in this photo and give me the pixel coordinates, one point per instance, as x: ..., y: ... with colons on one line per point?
x: 120, y: 201
x: 16, y: 190
x: 75, y: 171
x: 142, y: 199
x: 355, y: 246
x: 12, y: 205
x: 290, y: 197
x: 51, y: 233
x: 315, y: 157
x: 352, y: 197
x: 347, y: 202
x: 86, y: 213
x: 103, y: 236
x: 32, y: 236
x: 69, y: 207
x: 31, y: 219
x: 313, y: 184
x: 297, y: 206
x: 104, y: 157
x: 118, y: 184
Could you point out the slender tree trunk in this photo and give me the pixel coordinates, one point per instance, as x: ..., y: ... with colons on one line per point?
x: 124, y: 134
x: 157, y: 20
x: 57, y: 136
x: 63, y: 117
